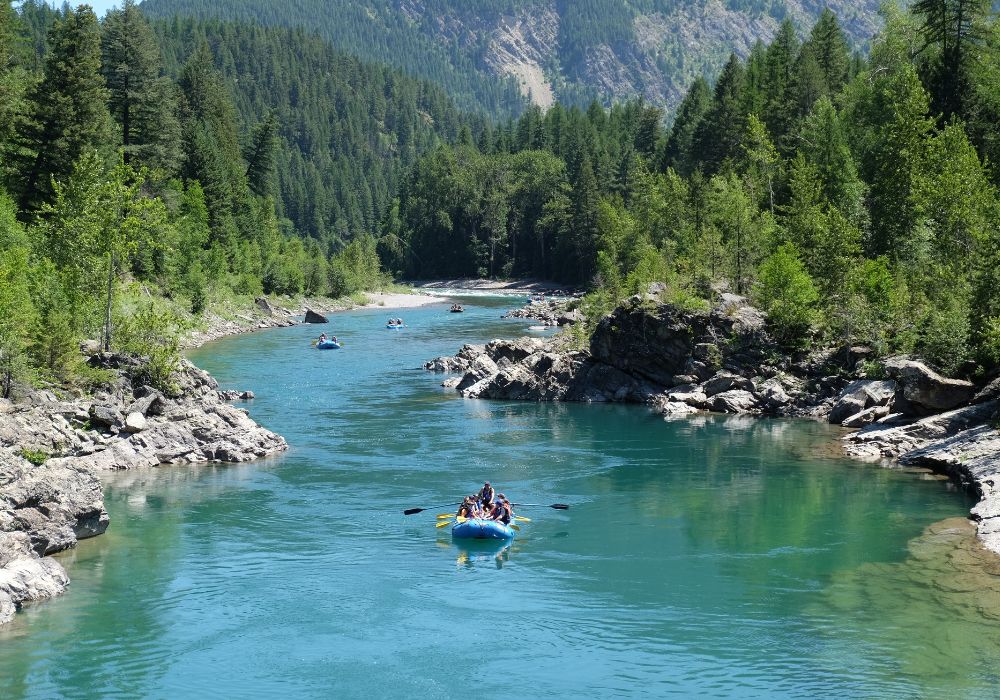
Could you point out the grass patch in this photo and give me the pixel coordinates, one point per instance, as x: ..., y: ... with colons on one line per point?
x: 36, y: 457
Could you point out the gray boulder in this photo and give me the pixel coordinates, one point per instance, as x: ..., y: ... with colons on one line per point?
x: 926, y: 391
x: 483, y: 367
x: 24, y: 577
x: 264, y: 305
x: 860, y: 395
x: 725, y: 381
x: 151, y: 403
x: 313, y: 317
x: 990, y: 392
x: 866, y: 417
x: 105, y: 417
x: 135, y: 422
x: 734, y: 401
x: 772, y: 394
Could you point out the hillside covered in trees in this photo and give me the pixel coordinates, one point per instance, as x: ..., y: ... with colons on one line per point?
x: 853, y: 201
x: 196, y: 160
x: 578, y: 50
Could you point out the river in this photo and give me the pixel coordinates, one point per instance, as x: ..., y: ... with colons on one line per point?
x: 710, y: 556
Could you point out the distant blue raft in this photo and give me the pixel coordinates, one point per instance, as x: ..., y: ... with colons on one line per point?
x: 328, y: 345
x: 479, y: 529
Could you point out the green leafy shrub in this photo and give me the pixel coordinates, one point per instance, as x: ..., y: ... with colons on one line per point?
x: 36, y: 457
x: 786, y: 291
x: 155, y: 335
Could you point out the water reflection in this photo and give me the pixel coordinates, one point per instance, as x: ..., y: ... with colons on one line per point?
x: 948, y: 584
x: 473, y: 553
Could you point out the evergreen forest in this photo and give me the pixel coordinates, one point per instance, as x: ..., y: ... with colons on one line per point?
x: 187, y: 162
x: 153, y: 169
x: 854, y: 200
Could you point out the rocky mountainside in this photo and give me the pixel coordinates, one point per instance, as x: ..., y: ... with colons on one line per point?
x: 571, y: 50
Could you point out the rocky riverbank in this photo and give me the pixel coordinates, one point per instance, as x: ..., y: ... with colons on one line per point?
x: 681, y: 362
x: 53, y: 446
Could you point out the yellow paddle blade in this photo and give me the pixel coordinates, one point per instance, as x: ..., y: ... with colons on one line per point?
x: 516, y: 527
x: 442, y: 516
x: 521, y: 518
x: 443, y: 523
x: 461, y: 519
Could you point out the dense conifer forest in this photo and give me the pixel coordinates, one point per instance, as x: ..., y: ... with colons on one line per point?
x: 153, y: 169
x: 854, y: 201
x: 195, y: 161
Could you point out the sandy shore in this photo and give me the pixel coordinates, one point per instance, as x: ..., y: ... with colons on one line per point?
x: 526, y: 286
x: 400, y: 301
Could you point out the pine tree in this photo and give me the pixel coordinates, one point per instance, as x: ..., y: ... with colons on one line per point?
x: 829, y: 47
x: 142, y: 102
x: 12, y: 78
x: 781, y: 57
x: 69, y: 115
x: 585, y: 216
x: 720, y: 132
x: 955, y: 29
x: 260, y: 157
x: 693, y: 108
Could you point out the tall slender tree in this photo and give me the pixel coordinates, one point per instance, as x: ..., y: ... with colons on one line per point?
x: 68, y: 112
x: 142, y: 101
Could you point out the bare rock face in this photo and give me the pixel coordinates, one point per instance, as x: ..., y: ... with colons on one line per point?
x: 314, y: 317
x: 56, y: 504
x: 24, y: 576
x: 264, y: 305
x: 924, y: 390
x: 860, y: 395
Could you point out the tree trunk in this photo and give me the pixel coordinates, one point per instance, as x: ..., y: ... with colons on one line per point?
x: 107, y: 305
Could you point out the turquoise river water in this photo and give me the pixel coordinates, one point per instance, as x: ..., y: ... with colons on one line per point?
x: 708, y: 557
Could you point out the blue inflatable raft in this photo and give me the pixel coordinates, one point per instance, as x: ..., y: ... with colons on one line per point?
x: 328, y: 345
x: 479, y: 529
x: 394, y: 326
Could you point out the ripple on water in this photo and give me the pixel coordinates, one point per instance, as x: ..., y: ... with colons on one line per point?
x: 709, y: 556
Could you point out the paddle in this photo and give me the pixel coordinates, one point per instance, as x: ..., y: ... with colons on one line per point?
x: 443, y: 523
x: 522, y: 519
x: 414, y: 511
x: 557, y: 506
x: 442, y: 516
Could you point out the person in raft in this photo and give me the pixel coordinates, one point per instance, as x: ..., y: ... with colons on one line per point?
x: 467, y: 508
x: 502, y: 510
x: 322, y: 337
x: 486, y: 495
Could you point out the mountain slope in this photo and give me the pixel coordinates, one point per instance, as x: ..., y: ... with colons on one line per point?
x: 571, y: 50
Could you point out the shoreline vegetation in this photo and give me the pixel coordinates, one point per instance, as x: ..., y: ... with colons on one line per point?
x: 54, y: 448
x: 851, y: 199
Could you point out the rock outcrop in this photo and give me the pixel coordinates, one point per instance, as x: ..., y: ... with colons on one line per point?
x: 963, y: 443
x: 47, y: 507
x: 43, y: 509
x: 923, y: 391
x: 679, y: 362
